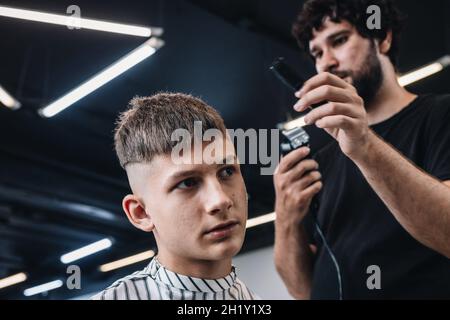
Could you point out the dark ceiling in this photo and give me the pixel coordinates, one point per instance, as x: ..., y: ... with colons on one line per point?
x: 60, y: 183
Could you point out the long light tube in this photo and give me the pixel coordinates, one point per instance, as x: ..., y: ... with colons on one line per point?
x: 86, y: 251
x: 8, y: 100
x: 83, y: 23
x: 13, y: 280
x: 131, y: 59
x: 43, y: 288
x: 127, y: 261
x: 424, y: 72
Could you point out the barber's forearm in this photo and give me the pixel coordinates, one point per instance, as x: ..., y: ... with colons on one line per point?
x: 419, y: 202
x: 293, y: 259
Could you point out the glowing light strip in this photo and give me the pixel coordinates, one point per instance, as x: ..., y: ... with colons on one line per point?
x: 127, y: 261
x: 76, y: 22
x: 86, y: 251
x: 8, y: 100
x: 420, y: 74
x: 270, y: 217
x: 299, y: 122
x: 425, y: 72
x: 12, y: 280
x: 43, y: 288
x: 130, y: 60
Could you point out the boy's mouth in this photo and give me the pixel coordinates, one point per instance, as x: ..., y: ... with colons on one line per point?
x: 222, y: 230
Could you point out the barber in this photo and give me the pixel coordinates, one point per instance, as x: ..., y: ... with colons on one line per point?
x: 381, y: 189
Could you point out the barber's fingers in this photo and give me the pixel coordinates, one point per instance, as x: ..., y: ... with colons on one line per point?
x: 301, y: 194
x: 337, y: 122
x: 331, y: 109
x: 309, y: 179
x: 321, y: 94
x: 312, y: 190
x: 303, y: 170
x: 323, y: 78
x: 289, y: 161
x: 302, y: 184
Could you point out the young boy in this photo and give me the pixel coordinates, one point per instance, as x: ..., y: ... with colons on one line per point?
x: 197, y: 210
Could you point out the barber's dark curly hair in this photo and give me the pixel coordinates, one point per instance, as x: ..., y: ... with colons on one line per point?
x: 315, y: 12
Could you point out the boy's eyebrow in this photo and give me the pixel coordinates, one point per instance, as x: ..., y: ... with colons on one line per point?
x: 186, y: 173
x: 331, y: 37
x: 229, y: 159
x: 183, y: 174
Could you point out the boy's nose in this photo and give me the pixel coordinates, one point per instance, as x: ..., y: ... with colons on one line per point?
x: 216, y: 199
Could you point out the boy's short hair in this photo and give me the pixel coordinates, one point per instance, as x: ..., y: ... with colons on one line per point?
x: 145, y: 129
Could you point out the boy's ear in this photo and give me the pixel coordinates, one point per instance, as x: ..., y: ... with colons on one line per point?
x: 386, y: 44
x: 135, y: 212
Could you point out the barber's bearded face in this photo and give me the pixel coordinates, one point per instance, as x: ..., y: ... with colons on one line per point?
x: 339, y: 49
x: 368, y: 78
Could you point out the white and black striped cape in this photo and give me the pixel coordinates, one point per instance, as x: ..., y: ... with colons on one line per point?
x: 158, y: 283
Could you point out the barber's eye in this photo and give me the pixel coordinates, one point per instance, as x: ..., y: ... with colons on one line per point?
x: 318, y: 55
x: 187, y: 184
x: 340, y: 40
x: 227, y: 172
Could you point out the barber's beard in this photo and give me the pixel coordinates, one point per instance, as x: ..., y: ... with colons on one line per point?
x: 368, y: 79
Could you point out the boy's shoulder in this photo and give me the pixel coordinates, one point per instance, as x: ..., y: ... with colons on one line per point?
x: 132, y: 287
x: 158, y: 283
x: 247, y: 293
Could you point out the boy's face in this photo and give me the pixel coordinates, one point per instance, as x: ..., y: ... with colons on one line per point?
x: 196, y: 211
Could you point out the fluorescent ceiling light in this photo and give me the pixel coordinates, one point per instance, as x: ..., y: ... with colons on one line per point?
x: 127, y: 261
x: 8, y: 100
x: 12, y: 280
x: 86, y: 251
x: 299, y: 122
x: 43, y: 288
x: 131, y: 59
x: 425, y: 71
x: 83, y: 23
x: 270, y: 217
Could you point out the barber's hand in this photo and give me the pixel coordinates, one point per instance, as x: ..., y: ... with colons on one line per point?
x: 296, y: 182
x: 343, y: 117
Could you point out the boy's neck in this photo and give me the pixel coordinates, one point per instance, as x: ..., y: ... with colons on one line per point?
x: 204, y: 269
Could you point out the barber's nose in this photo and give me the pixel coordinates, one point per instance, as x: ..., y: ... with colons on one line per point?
x: 216, y: 199
x: 328, y: 62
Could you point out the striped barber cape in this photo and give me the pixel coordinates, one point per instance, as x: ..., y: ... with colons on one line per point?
x: 155, y: 282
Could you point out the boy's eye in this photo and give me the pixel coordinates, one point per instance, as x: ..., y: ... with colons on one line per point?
x: 187, y: 183
x: 227, y: 172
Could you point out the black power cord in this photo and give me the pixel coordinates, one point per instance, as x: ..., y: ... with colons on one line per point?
x: 330, y: 252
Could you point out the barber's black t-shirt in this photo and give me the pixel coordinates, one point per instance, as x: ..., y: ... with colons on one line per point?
x: 360, y: 229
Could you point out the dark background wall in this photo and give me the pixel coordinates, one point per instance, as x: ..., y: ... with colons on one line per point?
x: 60, y: 183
